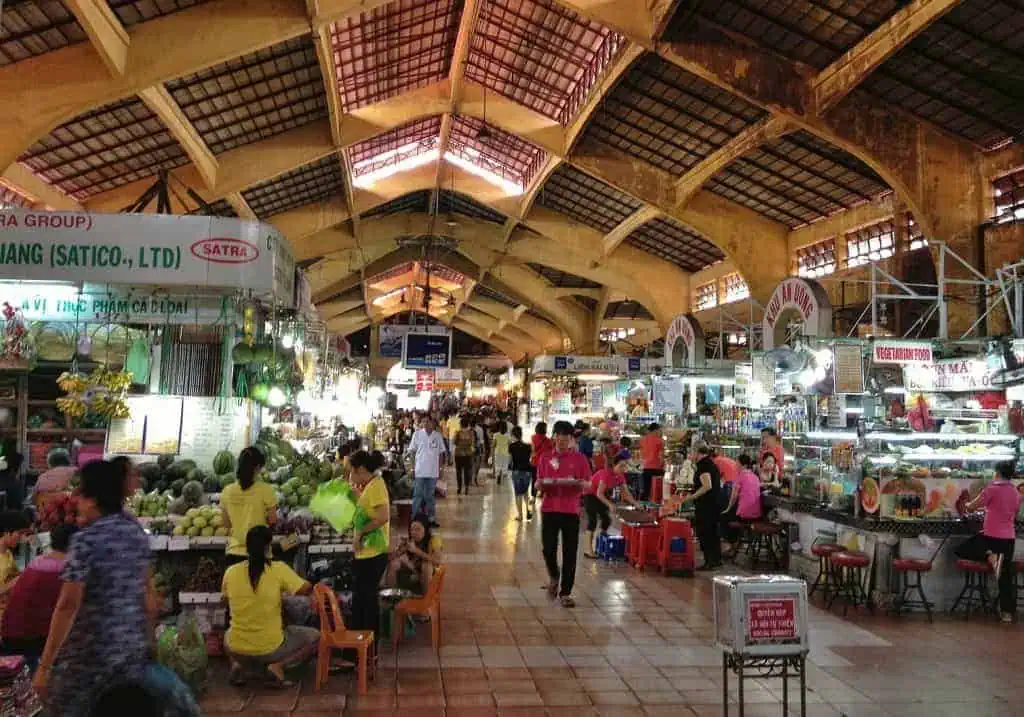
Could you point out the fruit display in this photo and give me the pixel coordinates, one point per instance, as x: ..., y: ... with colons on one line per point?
x: 205, y: 522
x: 149, y: 505
x: 102, y: 392
x: 206, y: 578
x: 58, y: 510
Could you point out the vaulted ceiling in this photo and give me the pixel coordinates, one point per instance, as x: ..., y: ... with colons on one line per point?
x: 586, y: 158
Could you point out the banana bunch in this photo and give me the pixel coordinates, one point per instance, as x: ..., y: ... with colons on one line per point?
x: 72, y: 405
x: 115, y: 381
x: 72, y: 382
x: 109, y: 406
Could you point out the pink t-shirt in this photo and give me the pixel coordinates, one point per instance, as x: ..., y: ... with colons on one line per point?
x: 1001, y: 501
x: 748, y: 505
x: 727, y: 467
x: 611, y: 479
x: 559, y: 496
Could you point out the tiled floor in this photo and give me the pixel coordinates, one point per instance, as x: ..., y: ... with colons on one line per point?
x: 639, y: 644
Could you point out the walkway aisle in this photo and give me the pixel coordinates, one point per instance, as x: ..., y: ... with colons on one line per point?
x: 639, y: 644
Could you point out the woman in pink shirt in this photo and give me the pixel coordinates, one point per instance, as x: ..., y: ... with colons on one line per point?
x: 995, y: 542
x: 562, y: 474
x: 745, y: 499
x: 598, y: 496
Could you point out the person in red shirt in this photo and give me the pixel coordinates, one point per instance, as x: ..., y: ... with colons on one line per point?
x: 997, y: 539
x: 597, y: 499
x: 562, y: 474
x: 652, y: 452
x: 770, y: 443
x: 540, y: 443
x: 26, y: 621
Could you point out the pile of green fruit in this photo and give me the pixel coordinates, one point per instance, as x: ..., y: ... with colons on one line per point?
x: 149, y: 505
x: 202, y: 522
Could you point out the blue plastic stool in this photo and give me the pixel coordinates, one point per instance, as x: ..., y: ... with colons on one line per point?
x: 611, y: 547
x: 677, y: 545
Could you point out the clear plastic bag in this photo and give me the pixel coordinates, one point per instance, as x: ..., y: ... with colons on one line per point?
x: 182, y: 648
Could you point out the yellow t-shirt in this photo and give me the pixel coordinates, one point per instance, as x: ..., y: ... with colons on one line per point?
x: 256, y: 625
x: 8, y: 567
x: 454, y: 424
x: 246, y: 509
x: 501, y: 446
x: 375, y: 494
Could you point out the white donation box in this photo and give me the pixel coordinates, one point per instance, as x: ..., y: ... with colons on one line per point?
x: 761, y: 615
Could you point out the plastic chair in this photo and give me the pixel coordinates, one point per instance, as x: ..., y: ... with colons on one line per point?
x: 335, y: 636
x: 676, y: 531
x: 427, y: 606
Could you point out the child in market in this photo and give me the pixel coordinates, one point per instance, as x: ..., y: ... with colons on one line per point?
x: 13, y: 526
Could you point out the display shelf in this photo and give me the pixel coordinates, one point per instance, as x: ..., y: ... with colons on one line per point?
x: 331, y: 549
x: 883, y: 459
x: 185, y: 598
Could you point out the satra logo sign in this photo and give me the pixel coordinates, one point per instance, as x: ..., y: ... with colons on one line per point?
x: 225, y: 251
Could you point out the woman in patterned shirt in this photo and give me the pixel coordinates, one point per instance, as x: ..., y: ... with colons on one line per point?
x: 102, y: 626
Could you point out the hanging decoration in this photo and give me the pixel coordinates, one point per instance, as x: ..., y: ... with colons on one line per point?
x: 18, y: 351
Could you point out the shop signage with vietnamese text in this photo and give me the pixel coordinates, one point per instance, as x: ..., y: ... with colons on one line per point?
x: 157, y: 250
x: 885, y: 351
x: 804, y: 297
x: 448, y: 379
x: 771, y: 619
x: 968, y: 374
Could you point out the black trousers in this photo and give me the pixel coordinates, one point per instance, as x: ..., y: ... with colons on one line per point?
x: 567, y: 526
x: 647, y: 480
x: 596, y: 511
x: 366, y: 575
x: 464, y: 472
x: 706, y: 526
x: 977, y: 548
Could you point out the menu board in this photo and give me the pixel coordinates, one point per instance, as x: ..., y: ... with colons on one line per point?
x: 163, y: 425
x: 596, y: 398
x: 848, y: 368
x: 561, y: 401
x: 763, y: 375
x: 214, y: 424
x: 668, y: 395
x: 126, y: 435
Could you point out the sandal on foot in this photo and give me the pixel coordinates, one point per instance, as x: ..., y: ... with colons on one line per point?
x: 567, y: 601
x: 552, y: 589
x: 277, y: 683
x: 236, y: 678
x: 592, y: 556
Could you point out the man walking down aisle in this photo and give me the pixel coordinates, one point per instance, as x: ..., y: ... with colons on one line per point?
x: 562, y: 474
x: 427, y: 445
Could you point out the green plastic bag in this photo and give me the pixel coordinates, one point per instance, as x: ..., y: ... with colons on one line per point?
x: 335, y: 502
x: 375, y: 538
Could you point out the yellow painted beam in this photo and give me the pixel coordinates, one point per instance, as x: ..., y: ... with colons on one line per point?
x: 42, y: 92
x: 626, y: 227
x: 105, y: 31
x: 159, y: 100
x: 302, y: 222
x: 840, y: 78
x: 749, y: 139
x: 20, y: 176
x: 241, y: 207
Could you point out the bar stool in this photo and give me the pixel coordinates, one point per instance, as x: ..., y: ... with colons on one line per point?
x: 904, y: 568
x: 975, y: 592
x: 825, y: 578
x: 765, y: 536
x: 849, y: 569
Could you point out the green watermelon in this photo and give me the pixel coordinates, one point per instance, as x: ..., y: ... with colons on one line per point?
x: 176, y: 486
x: 211, y: 484
x: 181, y: 469
x: 165, y: 460
x: 223, y: 462
x: 150, y: 472
x: 226, y: 480
x: 193, y: 493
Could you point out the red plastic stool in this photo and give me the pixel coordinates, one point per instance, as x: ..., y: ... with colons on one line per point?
x: 825, y: 579
x: 629, y: 533
x: 647, y: 545
x: 849, y: 567
x: 904, y: 568
x: 975, y: 592
x: 676, y: 528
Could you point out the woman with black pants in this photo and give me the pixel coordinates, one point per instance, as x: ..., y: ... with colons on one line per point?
x: 706, y: 503
x: 465, y: 452
x: 371, y: 536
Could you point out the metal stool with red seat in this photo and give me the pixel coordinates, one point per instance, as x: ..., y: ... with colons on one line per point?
x: 975, y: 591
x: 905, y: 568
x: 647, y: 540
x: 675, y: 546
x: 848, y: 567
x: 1018, y: 580
x: 765, y: 536
x: 825, y: 578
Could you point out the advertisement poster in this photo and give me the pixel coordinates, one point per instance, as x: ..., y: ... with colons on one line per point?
x: 391, y: 338
x: 427, y: 350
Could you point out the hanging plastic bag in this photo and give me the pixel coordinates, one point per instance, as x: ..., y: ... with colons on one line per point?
x: 374, y: 540
x: 335, y: 502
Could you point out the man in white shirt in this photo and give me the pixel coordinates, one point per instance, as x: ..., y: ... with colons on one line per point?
x: 427, y: 445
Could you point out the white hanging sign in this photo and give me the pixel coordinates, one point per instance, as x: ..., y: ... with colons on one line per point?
x: 803, y: 297
x: 687, y: 329
x: 890, y: 351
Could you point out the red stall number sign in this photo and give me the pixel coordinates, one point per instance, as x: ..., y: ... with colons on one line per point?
x: 772, y: 619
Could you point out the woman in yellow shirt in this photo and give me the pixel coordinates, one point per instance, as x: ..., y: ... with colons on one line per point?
x: 257, y: 640
x: 371, y: 537
x: 416, y: 558
x: 247, y: 503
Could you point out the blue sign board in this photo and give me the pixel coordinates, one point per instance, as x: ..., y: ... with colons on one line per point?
x: 427, y: 351
x: 634, y: 364
x: 561, y: 363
